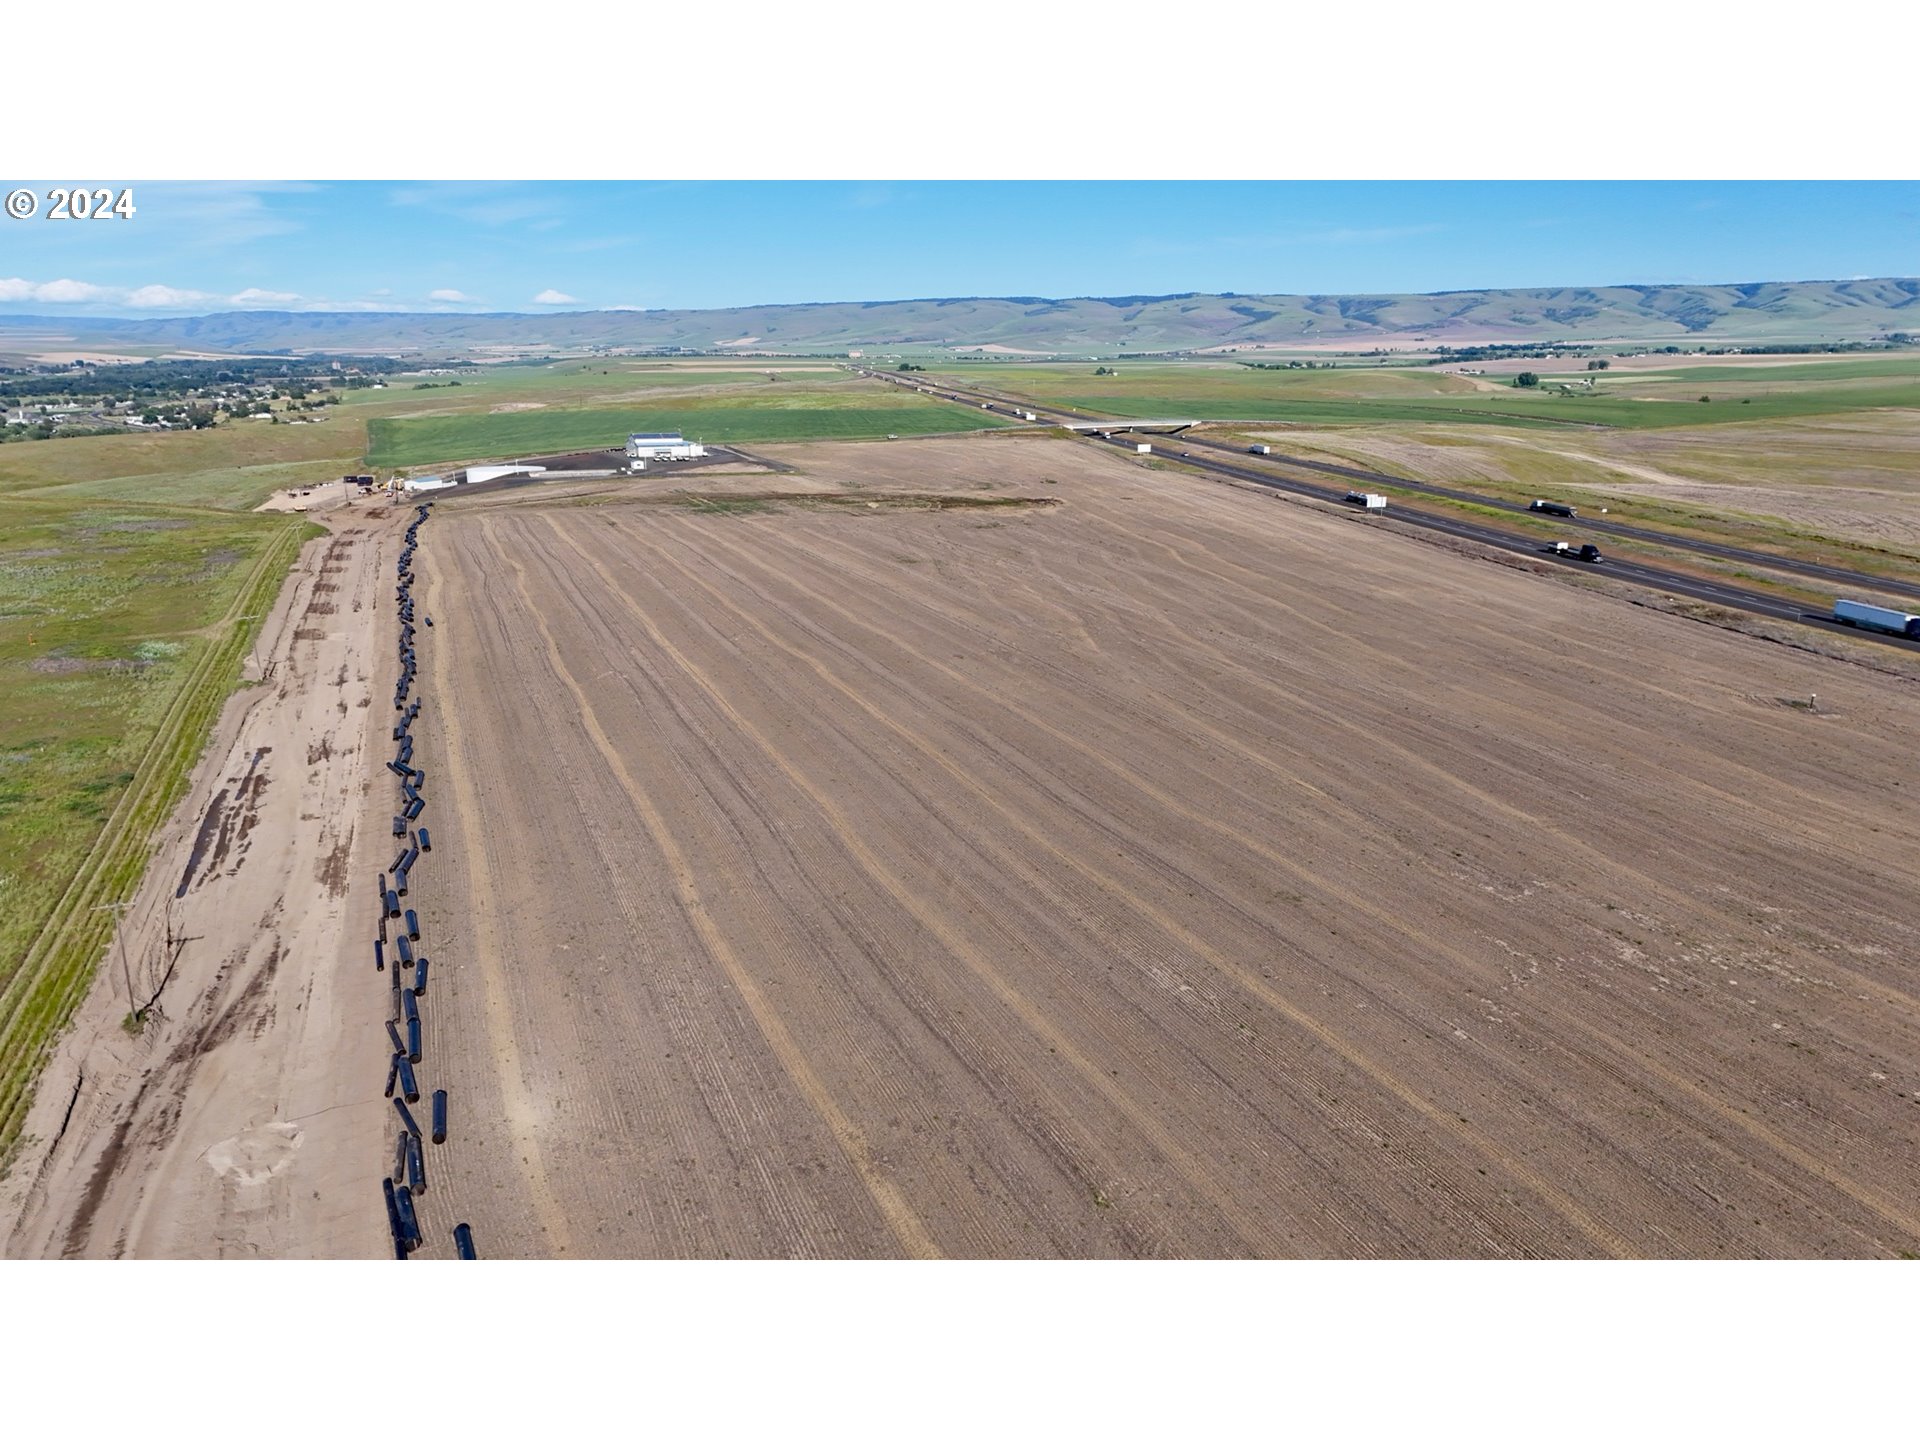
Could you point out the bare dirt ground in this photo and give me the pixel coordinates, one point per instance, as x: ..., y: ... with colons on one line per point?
x: 246, y: 1117
x: 312, y: 499
x: 1163, y: 872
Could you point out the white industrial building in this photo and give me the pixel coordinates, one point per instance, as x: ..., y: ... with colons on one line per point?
x: 480, y: 474
x: 663, y: 446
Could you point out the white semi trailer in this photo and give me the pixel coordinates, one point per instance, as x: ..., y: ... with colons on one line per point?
x: 1876, y: 617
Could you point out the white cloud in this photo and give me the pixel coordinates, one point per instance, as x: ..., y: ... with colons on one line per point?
x: 252, y: 296
x: 68, y: 292
x: 554, y: 297
x: 164, y: 297
x: 452, y: 297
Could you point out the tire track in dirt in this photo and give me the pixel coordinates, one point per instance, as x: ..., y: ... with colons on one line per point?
x: 1624, y: 1060
x: 905, y: 893
x: 1186, y: 640
x: 1596, y: 1232
x: 906, y: 1225
x: 1379, y: 661
x: 488, y: 945
x: 729, y: 1104
x: 935, y: 1013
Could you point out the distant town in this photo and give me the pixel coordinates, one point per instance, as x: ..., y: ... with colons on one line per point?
x: 78, y: 397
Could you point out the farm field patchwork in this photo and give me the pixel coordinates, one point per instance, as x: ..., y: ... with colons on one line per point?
x: 1119, y: 876
x: 796, y: 413
x: 1356, y: 394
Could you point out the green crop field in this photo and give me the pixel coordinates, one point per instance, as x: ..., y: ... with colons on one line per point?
x: 789, y: 414
x: 1362, y: 395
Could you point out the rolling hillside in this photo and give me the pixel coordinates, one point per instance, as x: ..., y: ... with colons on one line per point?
x: 1665, y: 314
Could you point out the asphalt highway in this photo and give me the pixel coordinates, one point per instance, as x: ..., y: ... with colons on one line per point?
x: 1186, y: 450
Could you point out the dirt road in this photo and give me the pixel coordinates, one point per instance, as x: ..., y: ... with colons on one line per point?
x: 1165, y: 871
x: 245, y: 1119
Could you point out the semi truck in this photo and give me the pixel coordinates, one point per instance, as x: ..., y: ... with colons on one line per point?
x: 1366, y: 500
x: 1877, y: 617
x: 1260, y: 449
x: 1554, y: 507
x: 1588, y: 553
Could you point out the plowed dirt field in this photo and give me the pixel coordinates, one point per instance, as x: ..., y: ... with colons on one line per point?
x: 1161, y: 870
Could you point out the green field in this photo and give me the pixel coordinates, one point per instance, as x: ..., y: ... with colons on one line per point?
x: 791, y: 414
x: 1358, y: 395
x: 122, y: 628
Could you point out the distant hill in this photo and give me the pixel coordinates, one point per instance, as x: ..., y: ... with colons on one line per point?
x: 1665, y: 314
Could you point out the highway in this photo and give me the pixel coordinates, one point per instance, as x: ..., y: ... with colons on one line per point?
x: 1733, y: 597
x: 1830, y: 574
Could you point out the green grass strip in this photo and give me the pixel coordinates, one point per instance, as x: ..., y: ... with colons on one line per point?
x: 60, y: 963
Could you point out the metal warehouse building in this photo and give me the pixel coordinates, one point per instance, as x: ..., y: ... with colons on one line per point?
x: 664, y: 446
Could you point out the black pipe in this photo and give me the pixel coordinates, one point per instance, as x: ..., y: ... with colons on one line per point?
x: 409, y: 1221
x: 416, y: 1166
x: 394, y: 1036
x: 414, y: 807
x: 402, y: 891
x: 439, y: 1117
x: 379, y: 954
x: 423, y: 840
x: 406, y: 1118
x: 409, y: 1086
x: 405, y: 948
x: 409, y: 1006
x: 400, y: 1157
x: 399, y: 826
x: 413, y: 923
x: 463, y: 1241
x: 420, y: 977
x: 400, y: 1246
x: 413, y: 1036
x: 392, y: 1071
x: 393, y: 905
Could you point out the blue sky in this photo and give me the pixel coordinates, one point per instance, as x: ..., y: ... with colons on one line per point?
x: 555, y: 245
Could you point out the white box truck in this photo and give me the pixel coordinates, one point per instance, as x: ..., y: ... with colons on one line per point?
x: 1143, y: 449
x: 1876, y: 617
